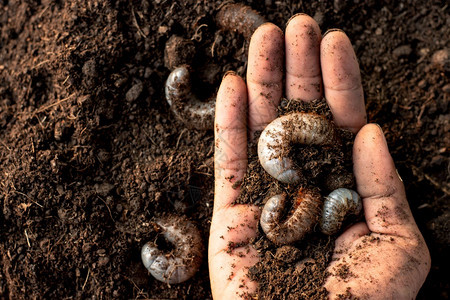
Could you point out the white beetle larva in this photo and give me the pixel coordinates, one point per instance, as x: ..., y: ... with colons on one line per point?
x: 295, y: 128
x: 305, y: 213
x: 239, y: 17
x: 339, y: 204
x: 184, y: 260
x: 184, y: 104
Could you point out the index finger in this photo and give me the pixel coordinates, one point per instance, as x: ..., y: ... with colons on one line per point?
x: 230, y: 129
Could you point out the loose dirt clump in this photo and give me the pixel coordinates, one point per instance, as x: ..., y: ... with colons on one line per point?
x: 293, y: 272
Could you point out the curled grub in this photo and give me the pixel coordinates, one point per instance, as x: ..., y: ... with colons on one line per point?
x: 304, y: 215
x: 184, y: 261
x: 337, y: 206
x: 283, y: 132
x: 179, y: 53
x: 184, y: 104
x: 239, y: 17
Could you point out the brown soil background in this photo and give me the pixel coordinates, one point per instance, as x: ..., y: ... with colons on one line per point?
x: 90, y: 152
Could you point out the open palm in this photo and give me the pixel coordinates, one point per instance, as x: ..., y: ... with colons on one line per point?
x: 386, y: 255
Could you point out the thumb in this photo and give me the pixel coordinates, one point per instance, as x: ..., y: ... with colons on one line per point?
x: 385, y: 205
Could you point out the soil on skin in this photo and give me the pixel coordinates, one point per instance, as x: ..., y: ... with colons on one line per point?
x: 91, y: 155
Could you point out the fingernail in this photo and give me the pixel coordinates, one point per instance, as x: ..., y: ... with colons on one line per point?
x: 382, y: 133
x: 264, y: 24
x: 296, y: 15
x: 268, y: 24
x: 230, y: 72
x: 332, y: 30
x: 398, y: 174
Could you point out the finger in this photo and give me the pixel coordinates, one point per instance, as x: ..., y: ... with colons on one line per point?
x: 231, y: 222
x: 342, y: 81
x: 264, y: 75
x: 230, y: 128
x: 302, y: 42
x: 385, y: 206
x: 232, y: 226
x: 229, y: 274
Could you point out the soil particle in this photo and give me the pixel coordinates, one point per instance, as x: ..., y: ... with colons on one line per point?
x: 287, y: 254
x: 403, y: 50
x: 343, y: 271
x: 441, y: 59
x: 134, y: 92
x: 178, y: 51
x: 347, y: 296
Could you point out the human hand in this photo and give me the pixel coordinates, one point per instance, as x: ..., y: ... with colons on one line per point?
x: 386, y: 256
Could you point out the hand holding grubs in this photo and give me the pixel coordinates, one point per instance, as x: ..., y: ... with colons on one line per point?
x: 308, y: 208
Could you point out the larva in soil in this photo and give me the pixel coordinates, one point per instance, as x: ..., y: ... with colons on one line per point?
x: 184, y: 260
x: 304, y: 215
x: 184, y: 104
x: 337, y: 206
x: 278, y: 137
x: 239, y: 17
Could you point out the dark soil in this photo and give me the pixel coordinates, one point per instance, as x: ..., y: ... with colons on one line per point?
x: 293, y: 272
x: 91, y: 154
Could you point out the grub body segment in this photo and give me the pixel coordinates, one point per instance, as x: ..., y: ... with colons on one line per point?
x: 285, y: 131
x: 239, y: 17
x: 338, y: 205
x: 301, y: 219
x: 184, y: 104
